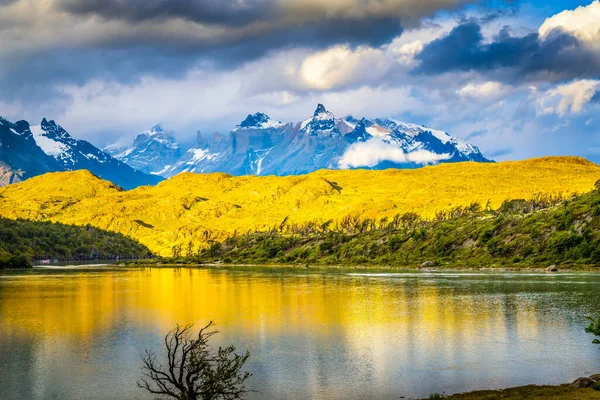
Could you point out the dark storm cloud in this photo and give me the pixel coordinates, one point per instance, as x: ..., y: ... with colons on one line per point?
x: 200, y: 11
x: 560, y: 56
x: 51, y: 69
x: 373, y: 32
x: 127, y: 60
x: 124, y: 40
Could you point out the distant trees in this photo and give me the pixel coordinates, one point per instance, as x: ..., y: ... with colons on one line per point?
x: 534, y: 232
x: 50, y: 240
x: 193, y: 369
x: 15, y: 262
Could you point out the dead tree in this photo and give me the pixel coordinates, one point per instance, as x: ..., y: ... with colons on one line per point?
x: 194, y: 370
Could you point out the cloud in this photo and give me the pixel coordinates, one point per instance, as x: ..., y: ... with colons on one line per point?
x: 582, y: 23
x: 376, y: 151
x: 483, y: 91
x: 475, y: 134
x: 569, y: 98
x: 234, y: 12
x: 201, y: 11
x: 340, y: 65
x: 557, y: 56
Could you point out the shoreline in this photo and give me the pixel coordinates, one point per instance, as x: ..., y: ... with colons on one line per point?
x: 563, y: 392
x: 366, y: 268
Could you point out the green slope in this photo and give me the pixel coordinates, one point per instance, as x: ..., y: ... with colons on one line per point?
x: 532, y: 233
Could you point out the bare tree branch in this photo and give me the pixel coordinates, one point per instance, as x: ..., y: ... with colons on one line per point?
x: 194, y: 369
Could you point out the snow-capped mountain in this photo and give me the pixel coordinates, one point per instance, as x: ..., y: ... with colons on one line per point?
x: 153, y: 151
x: 28, y: 151
x: 20, y: 156
x: 260, y: 145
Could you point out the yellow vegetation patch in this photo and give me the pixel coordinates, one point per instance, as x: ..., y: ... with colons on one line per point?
x: 191, y: 207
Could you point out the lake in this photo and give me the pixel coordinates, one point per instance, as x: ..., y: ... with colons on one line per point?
x: 78, y: 333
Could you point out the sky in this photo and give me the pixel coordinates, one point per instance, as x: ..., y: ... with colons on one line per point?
x: 518, y: 78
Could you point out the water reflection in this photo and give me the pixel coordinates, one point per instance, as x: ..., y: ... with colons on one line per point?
x: 78, y: 334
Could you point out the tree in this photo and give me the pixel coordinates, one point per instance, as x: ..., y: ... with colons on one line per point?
x: 594, y: 328
x: 194, y: 370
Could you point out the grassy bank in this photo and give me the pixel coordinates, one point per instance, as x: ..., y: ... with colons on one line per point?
x: 562, y: 392
x: 521, y: 234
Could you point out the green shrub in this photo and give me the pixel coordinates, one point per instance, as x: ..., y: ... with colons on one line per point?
x: 561, y: 242
x: 15, y: 262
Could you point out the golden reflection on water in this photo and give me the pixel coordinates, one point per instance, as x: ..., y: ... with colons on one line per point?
x: 315, y: 333
x: 86, y: 303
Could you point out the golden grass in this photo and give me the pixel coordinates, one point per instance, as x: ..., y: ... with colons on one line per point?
x: 192, y: 207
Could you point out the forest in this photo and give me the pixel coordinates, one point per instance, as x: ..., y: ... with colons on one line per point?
x: 22, y: 241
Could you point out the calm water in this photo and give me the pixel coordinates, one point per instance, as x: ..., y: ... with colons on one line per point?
x: 79, y: 333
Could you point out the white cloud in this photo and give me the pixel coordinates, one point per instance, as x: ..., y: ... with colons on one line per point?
x: 208, y: 100
x: 376, y: 151
x: 570, y: 98
x: 583, y: 23
x: 340, y: 65
x: 482, y: 91
x: 407, y: 52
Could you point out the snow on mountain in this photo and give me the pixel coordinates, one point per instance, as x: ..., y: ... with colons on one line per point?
x: 152, y: 151
x: 48, y: 147
x: 260, y: 145
x: 258, y: 121
x: 322, y: 122
x: 20, y: 156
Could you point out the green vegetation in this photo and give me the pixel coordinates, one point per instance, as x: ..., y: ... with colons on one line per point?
x: 521, y: 233
x: 562, y: 392
x: 15, y: 262
x: 437, y: 396
x: 22, y: 240
x: 594, y: 329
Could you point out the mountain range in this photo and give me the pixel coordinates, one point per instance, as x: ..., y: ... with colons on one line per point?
x: 27, y: 151
x: 260, y: 145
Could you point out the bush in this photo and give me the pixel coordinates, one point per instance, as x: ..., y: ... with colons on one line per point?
x: 394, y: 243
x: 15, y: 262
x: 594, y: 328
x: 561, y: 242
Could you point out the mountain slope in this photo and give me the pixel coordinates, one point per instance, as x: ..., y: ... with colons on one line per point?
x: 20, y: 156
x: 195, y: 208
x: 520, y: 233
x: 152, y: 152
x: 260, y: 145
x: 27, y: 151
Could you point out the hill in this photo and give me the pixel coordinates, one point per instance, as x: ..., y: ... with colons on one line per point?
x: 190, y: 210
x: 49, y: 240
x: 540, y: 232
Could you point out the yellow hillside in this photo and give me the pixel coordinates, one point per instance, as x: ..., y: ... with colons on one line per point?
x: 183, y: 208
